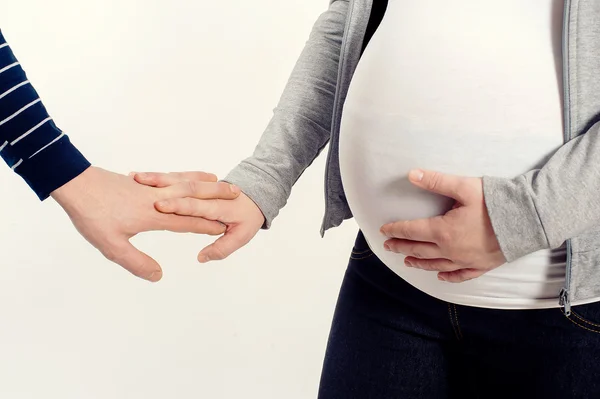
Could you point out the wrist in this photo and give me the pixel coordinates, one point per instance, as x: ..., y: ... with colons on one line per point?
x: 74, y: 188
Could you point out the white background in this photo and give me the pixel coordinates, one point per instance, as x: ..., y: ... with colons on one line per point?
x: 168, y: 86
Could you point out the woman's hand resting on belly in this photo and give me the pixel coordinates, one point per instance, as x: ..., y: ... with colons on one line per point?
x: 460, y: 245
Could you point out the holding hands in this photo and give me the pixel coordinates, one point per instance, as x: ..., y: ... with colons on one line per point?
x: 240, y: 215
x: 108, y: 209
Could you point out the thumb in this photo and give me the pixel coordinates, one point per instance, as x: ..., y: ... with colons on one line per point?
x: 134, y: 261
x: 231, y: 241
x: 439, y: 183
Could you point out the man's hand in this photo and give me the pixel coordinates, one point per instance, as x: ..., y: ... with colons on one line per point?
x: 242, y: 216
x: 108, y: 209
x: 460, y: 245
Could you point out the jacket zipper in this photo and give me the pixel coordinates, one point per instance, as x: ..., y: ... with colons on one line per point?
x: 564, y: 297
x: 336, y: 102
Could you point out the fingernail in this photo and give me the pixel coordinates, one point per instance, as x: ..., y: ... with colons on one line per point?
x: 383, y: 231
x: 387, y: 247
x: 155, y: 273
x: 131, y: 174
x: 203, y: 258
x: 408, y: 264
x: 162, y: 204
x: 416, y: 175
x: 142, y: 175
x: 234, y: 189
x: 441, y: 278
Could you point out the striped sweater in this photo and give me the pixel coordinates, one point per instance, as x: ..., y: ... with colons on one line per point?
x: 30, y: 142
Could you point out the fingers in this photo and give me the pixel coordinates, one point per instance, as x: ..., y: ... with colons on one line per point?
x: 460, y: 276
x: 417, y: 230
x: 131, y: 259
x: 201, y: 190
x: 169, y: 179
x: 185, y: 224
x: 440, y: 183
x: 439, y: 265
x: 415, y: 249
x: 233, y: 240
x: 207, y: 209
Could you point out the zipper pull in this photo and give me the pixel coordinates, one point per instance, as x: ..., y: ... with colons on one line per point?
x: 564, y: 302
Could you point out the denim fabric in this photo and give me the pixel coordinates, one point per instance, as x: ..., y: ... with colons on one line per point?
x: 391, y: 341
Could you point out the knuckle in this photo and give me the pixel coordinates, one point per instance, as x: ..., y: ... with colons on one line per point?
x: 419, y: 264
x: 416, y: 252
x: 434, y: 266
x: 224, y: 189
x: 446, y: 266
x: 114, y: 253
x: 465, y: 262
x: 213, y: 210
x: 443, y: 237
x: 443, y: 231
x: 434, y: 180
x: 185, y: 206
x: 468, y: 275
x: 192, y: 186
x: 218, y: 253
x: 110, y: 255
x: 403, y: 231
x: 171, y: 177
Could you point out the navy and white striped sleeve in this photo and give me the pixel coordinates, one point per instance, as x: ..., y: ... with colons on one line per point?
x: 30, y: 143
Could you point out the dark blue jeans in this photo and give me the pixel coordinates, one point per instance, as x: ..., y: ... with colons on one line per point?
x: 391, y: 341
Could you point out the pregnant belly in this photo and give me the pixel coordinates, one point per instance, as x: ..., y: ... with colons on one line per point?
x: 431, y: 93
x: 376, y: 154
x: 378, y: 151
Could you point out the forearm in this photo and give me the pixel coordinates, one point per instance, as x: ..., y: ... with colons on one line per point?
x: 545, y: 207
x: 301, y: 124
x: 30, y: 143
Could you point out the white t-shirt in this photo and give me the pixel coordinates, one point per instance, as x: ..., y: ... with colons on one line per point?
x: 466, y: 87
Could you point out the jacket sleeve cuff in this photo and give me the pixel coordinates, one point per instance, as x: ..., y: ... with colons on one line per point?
x: 261, y: 188
x: 514, y: 216
x: 53, y: 167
